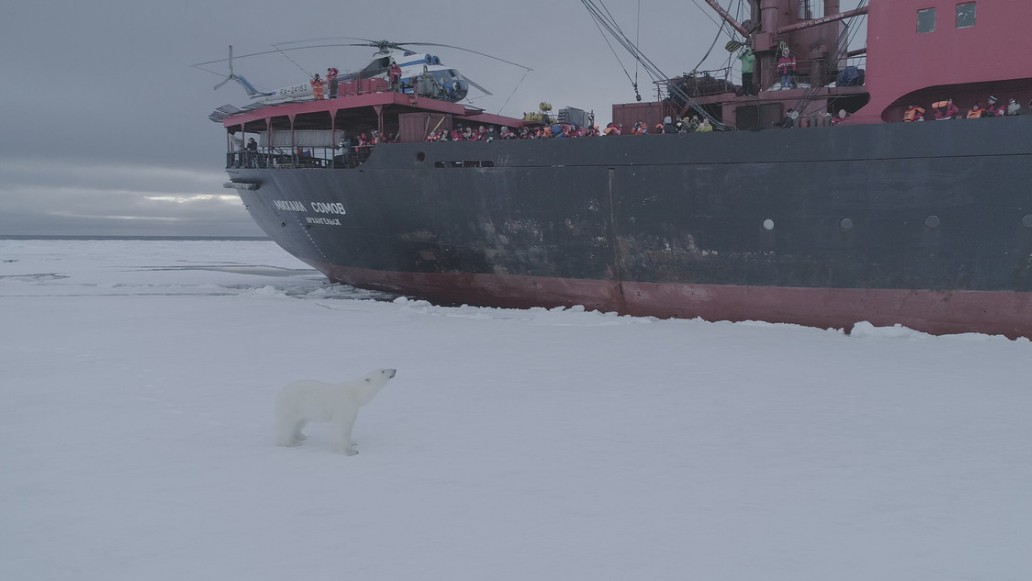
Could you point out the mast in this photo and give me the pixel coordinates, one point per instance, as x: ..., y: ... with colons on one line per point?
x: 728, y: 18
x: 825, y: 20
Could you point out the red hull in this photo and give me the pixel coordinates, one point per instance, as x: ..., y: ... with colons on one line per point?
x: 936, y: 312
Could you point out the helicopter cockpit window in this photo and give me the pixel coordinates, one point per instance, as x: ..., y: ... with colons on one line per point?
x: 451, y: 83
x: 377, y: 66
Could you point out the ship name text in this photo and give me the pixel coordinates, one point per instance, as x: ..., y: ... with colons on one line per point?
x: 328, y: 208
x: 290, y: 205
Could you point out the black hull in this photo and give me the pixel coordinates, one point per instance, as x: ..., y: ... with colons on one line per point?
x: 926, y: 225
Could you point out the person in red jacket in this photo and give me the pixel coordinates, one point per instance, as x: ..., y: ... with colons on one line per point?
x: 945, y: 110
x: 993, y: 109
x: 331, y: 77
x: 394, y: 73
x: 787, y: 69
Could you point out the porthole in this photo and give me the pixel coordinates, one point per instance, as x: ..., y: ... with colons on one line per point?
x: 846, y: 224
x: 1026, y: 221
x: 283, y: 224
x: 420, y: 156
x: 932, y: 221
x: 768, y: 224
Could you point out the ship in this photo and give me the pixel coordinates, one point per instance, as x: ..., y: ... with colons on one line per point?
x: 834, y: 189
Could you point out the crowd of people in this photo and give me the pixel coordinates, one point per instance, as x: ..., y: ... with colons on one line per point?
x: 945, y: 110
x: 567, y: 131
x: 354, y: 148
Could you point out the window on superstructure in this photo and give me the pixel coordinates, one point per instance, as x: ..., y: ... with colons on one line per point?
x: 926, y: 20
x: 966, y: 15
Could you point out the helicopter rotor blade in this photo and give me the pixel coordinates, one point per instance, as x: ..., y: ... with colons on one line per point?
x: 483, y: 54
x: 324, y: 39
x: 381, y: 44
x: 477, y: 86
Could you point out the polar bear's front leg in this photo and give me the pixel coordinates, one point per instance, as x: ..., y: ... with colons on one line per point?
x: 290, y: 432
x: 345, y: 421
x: 298, y: 436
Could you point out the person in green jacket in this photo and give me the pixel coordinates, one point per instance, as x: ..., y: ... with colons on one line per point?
x: 748, y: 65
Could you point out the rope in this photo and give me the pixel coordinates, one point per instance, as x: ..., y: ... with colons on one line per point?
x: 514, y: 89
x: 285, y: 55
x: 637, y: 42
x: 634, y: 81
x: 605, y: 20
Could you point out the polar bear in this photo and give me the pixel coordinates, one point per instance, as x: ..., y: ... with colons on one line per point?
x: 306, y: 401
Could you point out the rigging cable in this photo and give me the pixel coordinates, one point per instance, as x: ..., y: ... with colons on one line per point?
x: 637, y: 42
x: 634, y: 81
x: 606, y: 21
x: 720, y: 32
x: 514, y: 89
x: 292, y: 60
x: 730, y: 63
x: 704, y: 12
x: 810, y: 94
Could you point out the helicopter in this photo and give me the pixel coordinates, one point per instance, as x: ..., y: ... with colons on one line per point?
x: 422, y: 74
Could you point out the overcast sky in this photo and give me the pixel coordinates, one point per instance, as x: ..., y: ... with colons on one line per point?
x: 105, y: 127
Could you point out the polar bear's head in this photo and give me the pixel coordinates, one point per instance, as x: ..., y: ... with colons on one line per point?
x: 381, y: 375
x: 364, y: 389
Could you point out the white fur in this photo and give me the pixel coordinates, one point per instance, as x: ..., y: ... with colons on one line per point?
x: 317, y: 401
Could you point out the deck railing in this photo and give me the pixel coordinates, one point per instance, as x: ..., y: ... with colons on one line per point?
x: 304, y: 157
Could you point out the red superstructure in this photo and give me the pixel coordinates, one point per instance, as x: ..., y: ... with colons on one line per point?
x: 964, y: 50
x: 918, y: 52
x: 398, y: 114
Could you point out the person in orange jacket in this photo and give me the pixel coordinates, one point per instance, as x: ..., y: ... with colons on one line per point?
x: 913, y: 113
x: 317, y: 87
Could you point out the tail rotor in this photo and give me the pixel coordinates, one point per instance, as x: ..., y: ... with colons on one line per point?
x: 231, y: 77
x: 252, y: 92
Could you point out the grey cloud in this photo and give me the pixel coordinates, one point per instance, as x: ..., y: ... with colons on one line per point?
x: 103, y: 98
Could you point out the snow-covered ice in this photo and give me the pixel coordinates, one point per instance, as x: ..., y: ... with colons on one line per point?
x: 137, y: 435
